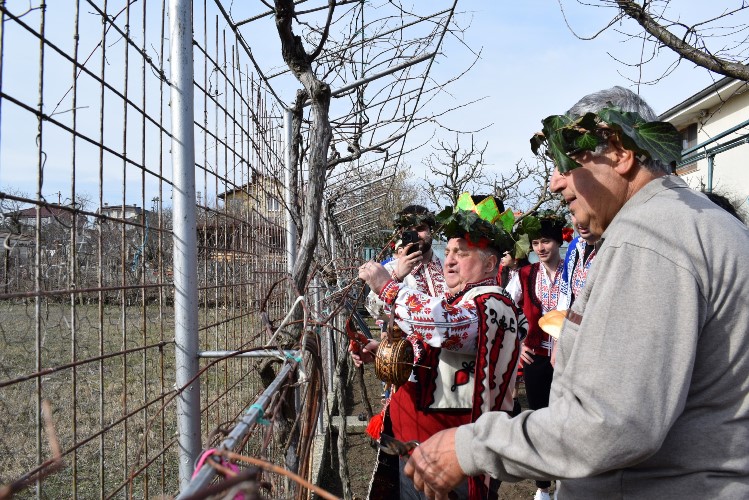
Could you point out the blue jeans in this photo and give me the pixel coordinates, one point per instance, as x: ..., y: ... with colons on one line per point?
x: 409, y: 491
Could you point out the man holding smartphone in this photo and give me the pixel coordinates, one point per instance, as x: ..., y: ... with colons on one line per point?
x: 466, y: 341
x: 417, y: 266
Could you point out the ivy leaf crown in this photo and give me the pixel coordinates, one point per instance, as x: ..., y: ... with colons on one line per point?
x: 564, y: 137
x: 411, y: 219
x: 483, y: 225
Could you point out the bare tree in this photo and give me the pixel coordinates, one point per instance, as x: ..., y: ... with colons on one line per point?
x: 10, y: 207
x: 453, y: 170
x: 318, y: 93
x: 526, y: 187
x: 717, y: 42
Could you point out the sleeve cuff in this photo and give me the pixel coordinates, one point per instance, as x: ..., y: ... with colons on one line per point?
x: 389, y: 292
x: 464, y: 452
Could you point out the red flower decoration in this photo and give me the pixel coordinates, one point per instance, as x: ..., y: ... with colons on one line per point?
x: 481, y: 243
x: 567, y: 233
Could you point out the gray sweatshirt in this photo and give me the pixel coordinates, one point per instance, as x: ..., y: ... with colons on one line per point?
x: 650, y: 397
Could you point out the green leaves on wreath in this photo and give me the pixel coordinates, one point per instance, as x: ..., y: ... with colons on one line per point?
x: 507, y: 219
x: 467, y: 224
x: 658, y: 140
x: 530, y: 226
x: 564, y: 137
x: 527, y: 230
x: 522, y: 247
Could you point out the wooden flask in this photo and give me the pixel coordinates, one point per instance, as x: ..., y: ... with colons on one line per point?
x: 395, y: 358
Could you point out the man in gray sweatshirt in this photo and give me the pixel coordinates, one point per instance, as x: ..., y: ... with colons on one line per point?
x: 650, y: 397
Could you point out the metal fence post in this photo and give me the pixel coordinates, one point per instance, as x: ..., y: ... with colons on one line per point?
x: 288, y: 172
x: 185, y: 236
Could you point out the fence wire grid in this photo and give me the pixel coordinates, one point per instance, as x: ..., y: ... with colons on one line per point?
x: 87, y: 296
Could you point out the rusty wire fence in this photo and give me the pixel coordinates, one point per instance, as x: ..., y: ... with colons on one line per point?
x: 142, y: 196
x: 87, y: 298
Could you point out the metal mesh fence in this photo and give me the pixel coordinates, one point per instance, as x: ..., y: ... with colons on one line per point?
x: 86, y: 279
x: 90, y: 214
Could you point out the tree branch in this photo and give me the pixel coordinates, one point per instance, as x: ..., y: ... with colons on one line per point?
x: 683, y: 49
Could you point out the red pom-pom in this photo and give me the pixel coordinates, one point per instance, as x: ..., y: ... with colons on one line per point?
x: 374, y: 427
x: 567, y: 233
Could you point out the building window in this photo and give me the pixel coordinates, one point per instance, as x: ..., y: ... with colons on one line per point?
x: 272, y: 203
x: 689, y: 136
x: 688, y: 140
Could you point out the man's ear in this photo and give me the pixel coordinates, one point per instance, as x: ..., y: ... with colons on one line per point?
x: 492, y: 262
x: 625, y: 160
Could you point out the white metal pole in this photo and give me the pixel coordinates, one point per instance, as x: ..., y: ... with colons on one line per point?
x: 329, y: 345
x: 288, y: 173
x: 185, y: 236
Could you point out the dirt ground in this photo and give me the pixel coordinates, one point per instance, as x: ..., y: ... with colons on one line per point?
x: 362, y: 453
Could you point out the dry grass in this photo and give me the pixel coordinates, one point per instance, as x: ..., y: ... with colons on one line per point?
x: 97, y: 404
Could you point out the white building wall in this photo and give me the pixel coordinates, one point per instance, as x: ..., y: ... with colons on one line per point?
x: 715, y: 115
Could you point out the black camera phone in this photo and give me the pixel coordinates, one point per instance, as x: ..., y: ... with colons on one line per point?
x: 410, y: 237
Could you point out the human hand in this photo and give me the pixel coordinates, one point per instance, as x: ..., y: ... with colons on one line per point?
x: 526, y: 355
x: 364, y: 355
x: 434, y: 466
x: 375, y: 275
x: 407, y: 262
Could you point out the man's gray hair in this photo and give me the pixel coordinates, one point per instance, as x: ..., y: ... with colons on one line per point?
x: 486, y: 252
x: 627, y: 101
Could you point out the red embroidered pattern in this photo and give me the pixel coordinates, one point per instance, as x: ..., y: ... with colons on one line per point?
x: 580, y: 273
x: 548, y: 292
x: 438, y: 285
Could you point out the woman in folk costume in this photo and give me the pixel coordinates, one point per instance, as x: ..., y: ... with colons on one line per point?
x: 535, y: 289
x: 470, y: 336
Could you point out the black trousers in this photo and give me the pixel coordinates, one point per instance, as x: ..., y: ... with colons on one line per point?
x: 538, y: 376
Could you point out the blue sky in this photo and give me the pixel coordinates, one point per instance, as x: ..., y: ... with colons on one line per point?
x: 532, y: 66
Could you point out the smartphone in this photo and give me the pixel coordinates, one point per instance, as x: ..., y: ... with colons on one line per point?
x: 410, y: 237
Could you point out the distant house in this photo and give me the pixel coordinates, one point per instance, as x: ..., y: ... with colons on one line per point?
x: 128, y: 212
x: 717, y: 120
x: 255, y: 227
x: 48, y: 214
x: 263, y: 194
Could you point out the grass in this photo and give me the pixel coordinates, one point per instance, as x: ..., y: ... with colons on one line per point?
x: 96, y: 405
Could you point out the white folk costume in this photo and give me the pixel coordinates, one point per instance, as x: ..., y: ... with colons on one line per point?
x: 427, y: 279
x: 470, y: 345
x: 536, y: 293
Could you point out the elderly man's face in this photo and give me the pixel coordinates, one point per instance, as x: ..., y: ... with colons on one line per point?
x: 465, y: 263
x: 595, y: 192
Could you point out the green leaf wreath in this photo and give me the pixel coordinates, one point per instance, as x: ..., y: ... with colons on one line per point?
x: 482, y: 224
x: 401, y: 221
x: 565, y: 137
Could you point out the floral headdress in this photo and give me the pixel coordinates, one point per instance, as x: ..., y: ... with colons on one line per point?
x: 565, y: 137
x: 483, y: 225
